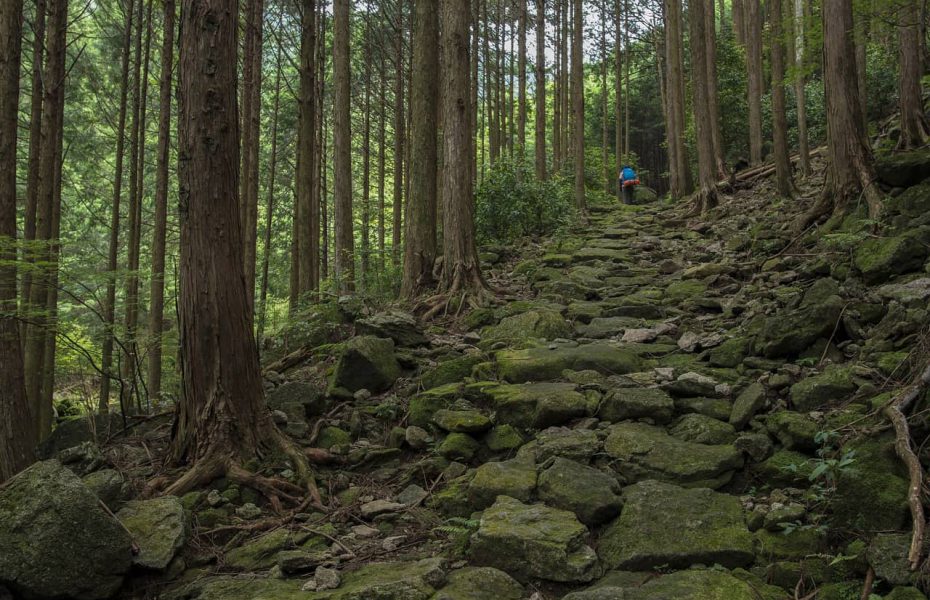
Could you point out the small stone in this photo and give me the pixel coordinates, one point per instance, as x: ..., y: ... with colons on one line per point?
x: 362, y: 395
x: 461, y: 421
x: 689, y: 341
x: 214, y: 499
x: 392, y: 543
x: 279, y: 417
x: 364, y: 531
x: 639, y: 336
x: 326, y: 579
x: 454, y: 471
x: 747, y: 404
x: 248, y: 511
x: 781, y: 514
x: 417, y: 437
x: 374, y: 508
x: 412, y: 495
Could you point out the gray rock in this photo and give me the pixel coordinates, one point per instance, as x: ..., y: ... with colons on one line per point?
x: 702, y: 429
x: 366, y: 362
x: 394, y: 324
x: 374, y: 508
x: 57, y: 542
x: 888, y: 556
x: 298, y: 401
x: 533, y: 541
x: 747, y: 404
x: 514, y: 478
x: 636, y: 403
x: 594, y: 496
x: 665, y: 525
x: 480, y: 583
x: 73, y: 432
x: 109, y: 485
x: 159, y: 527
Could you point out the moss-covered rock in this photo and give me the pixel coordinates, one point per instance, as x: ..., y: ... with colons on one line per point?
x: 450, y: 371
x: 533, y: 541
x: 913, y: 202
x: 594, y: 496
x: 425, y: 404
x: 452, y: 500
x: 261, y: 553
x: 537, y: 405
x: 791, y: 331
x: 871, y: 494
x: 730, y: 353
x: 701, y: 429
x: 574, y: 444
x: 879, y: 259
x: 666, y: 525
x: 794, y: 545
x: 905, y: 593
x: 514, y: 478
x: 394, y: 324
x: 366, y: 362
x: 479, y: 583
x: 835, y: 384
x: 461, y: 421
x: 503, y: 438
x: 546, y: 364
x: 458, y: 446
x: 605, y: 327
x: 55, y: 540
x: 887, y: 554
x: 785, y: 468
x: 794, y: 430
x: 520, y: 329
x: 692, y: 584
x: 903, y: 169
x: 333, y: 436
x: 747, y: 404
x: 717, y: 408
x: 645, y: 452
x: 414, y: 580
x: 634, y: 403
x: 159, y: 527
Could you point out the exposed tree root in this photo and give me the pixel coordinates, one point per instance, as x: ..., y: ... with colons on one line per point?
x: 896, y: 413
x: 466, y: 284
x: 869, y: 583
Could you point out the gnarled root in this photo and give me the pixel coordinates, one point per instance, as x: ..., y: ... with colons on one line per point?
x: 466, y: 283
x: 896, y: 413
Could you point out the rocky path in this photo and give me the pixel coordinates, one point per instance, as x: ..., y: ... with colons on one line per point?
x: 658, y: 413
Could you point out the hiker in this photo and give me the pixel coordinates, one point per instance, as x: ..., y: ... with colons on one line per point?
x: 628, y: 182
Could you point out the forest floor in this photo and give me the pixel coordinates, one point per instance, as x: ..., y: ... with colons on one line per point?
x: 657, y: 408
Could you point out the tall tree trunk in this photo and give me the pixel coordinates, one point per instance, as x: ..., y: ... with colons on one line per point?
x: 739, y: 21
x: 51, y: 298
x: 861, y: 16
x: 706, y: 196
x: 850, y: 173
x: 779, y: 116
x: 557, y: 89
x: 251, y: 135
x: 420, y: 248
x: 914, y: 126
x: 366, y: 159
x: 605, y: 103
x: 541, y: 90
x: 109, y: 306
x: 461, y: 271
x: 398, y: 136
x: 222, y: 421
x: 578, y: 102
x: 754, y: 69
x: 618, y: 98
x: 35, y: 146
x: 565, y: 85
x: 270, y: 202
x: 136, y: 173
x: 307, y: 212
x: 50, y: 157
x: 17, y: 419
x: 318, y: 197
x: 382, y: 157
x: 626, y: 76
x: 797, y: 46
x: 713, y: 96
x: 521, y: 82
x: 157, y: 304
x: 679, y: 169
x: 344, y: 236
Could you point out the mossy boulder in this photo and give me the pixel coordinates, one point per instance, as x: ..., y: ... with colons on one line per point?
x: 503, y: 438
x: 458, y: 446
x: 452, y: 500
x: 701, y: 429
x: 793, y: 545
x: 791, y: 331
x: 298, y: 400
x: 645, y: 452
x: 394, y: 324
x: 522, y: 328
x: 887, y: 554
x: 159, y: 527
x: 747, y: 404
x: 537, y: 405
x: 730, y: 353
x: 546, y: 364
x: 685, y: 289
x: 76, y: 431
x: 514, y: 478
x: 912, y: 202
x: 261, y: 553
x: 871, y: 494
x: 575, y: 444
x: 635, y: 403
x: 835, y: 384
x: 880, y: 259
x: 692, y: 584
x: 479, y: 583
x: 55, y: 540
x: 451, y: 371
x: 461, y: 421
x: 414, y: 580
x: 593, y: 495
x: 425, y: 404
x: 333, y: 436
x: 605, y: 327
x: 533, y: 541
x: 366, y: 362
x: 228, y: 587
x: 905, y: 593
x: 903, y: 169
x: 794, y: 430
x: 666, y: 525
x: 785, y: 468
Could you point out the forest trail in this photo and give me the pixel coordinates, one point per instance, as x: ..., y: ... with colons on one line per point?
x: 657, y: 411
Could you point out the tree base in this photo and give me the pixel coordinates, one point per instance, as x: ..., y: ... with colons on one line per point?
x: 465, y: 283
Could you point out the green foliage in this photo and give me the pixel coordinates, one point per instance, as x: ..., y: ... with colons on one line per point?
x: 512, y: 203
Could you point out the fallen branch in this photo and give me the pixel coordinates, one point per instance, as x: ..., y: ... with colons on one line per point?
x: 896, y: 413
x: 867, y: 586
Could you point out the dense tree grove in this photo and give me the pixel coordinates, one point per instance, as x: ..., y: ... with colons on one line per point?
x: 182, y: 181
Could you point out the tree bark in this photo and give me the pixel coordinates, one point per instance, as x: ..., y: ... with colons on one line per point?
x: 420, y: 248
x: 398, y: 208
x: 754, y: 69
x: 541, y: 90
x: 17, y: 419
x: 344, y: 251
x: 578, y: 103
x: 50, y: 156
x: 706, y: 196
x: 557, y: 89
x: 914, y: 127
x: 679, y: 169
x: 850, y: 172
x: 710, y: 36
x: 382, y: 157
x: 307, y: 211
x: 366, y: 159
x: 618, y: 98
x: 779, y: 116
x: 521, y: 82
x: 797, y: 47
x: 222, y: 421
x: 157, y: 303
x: 605, y: 103
x: 109, y: 306
x: 461, y: 271
x: 251, y: 137
x: 861, y: 18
